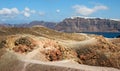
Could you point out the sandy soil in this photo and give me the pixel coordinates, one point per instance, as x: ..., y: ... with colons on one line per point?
x: 68, y: 65
x: 36, y: 61
x: 79, y: 44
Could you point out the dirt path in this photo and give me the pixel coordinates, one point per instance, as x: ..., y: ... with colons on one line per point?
x: 68, y: 65
x: 79, y: 44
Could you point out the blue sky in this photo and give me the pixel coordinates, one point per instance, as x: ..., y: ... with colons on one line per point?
x: 20, y: 11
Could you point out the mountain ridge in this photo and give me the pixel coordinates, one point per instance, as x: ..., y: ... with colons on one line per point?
x: 76, y: 24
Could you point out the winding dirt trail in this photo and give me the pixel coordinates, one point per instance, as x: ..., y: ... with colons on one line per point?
x: 68, y: 65
x: 79, y: 44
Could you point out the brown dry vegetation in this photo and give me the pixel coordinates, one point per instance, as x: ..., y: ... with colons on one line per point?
x: 103, y: 53
x: 44, y: 42
x: 40, y: 31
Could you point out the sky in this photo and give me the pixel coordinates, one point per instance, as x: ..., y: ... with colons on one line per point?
x: 23, y: 11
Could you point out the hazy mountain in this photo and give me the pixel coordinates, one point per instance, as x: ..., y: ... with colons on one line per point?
x: 42, y: 23
x: 76, y: 24
x: 31, y: 24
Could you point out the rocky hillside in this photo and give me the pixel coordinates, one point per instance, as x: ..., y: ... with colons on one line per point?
x: 78, y: 24
x: 41, y: 49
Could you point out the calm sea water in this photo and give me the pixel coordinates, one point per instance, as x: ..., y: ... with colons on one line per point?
x: 105, y: 34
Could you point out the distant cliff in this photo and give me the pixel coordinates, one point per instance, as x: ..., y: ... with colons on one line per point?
x: 78, y: 24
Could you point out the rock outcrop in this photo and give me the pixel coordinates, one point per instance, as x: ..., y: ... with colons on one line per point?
x: 79, y: 24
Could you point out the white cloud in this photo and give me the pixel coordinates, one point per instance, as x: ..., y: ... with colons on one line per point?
x: 58, y: 10
x: 6, y: 12
x: 27, y: 12
x: 12, y: 13
x: 15, y: 10
x: 33, y: 11
x: 41, y: 13
x: 27, y: 9
x: 100, y: 7
x: 83, y: 10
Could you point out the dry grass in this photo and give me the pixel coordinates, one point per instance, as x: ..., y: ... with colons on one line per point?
x: 41, y: 31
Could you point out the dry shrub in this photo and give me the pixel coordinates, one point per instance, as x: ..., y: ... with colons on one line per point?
x: 3, y: 43
x: 54, y: 52
x: 23, y: 44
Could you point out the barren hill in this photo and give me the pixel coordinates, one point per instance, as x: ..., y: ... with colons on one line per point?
x: 41, y: 49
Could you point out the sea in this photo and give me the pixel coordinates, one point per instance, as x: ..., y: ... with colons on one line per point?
x: 105, y: 34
